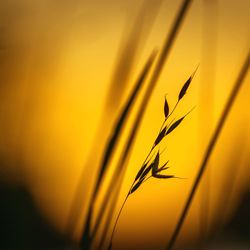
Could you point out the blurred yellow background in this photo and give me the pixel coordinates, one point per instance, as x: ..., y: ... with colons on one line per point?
x: 57, y: 60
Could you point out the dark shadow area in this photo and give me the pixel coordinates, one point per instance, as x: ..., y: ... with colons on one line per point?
x: 240, y: 223
x: 236, y: 233
x: 21, y: 225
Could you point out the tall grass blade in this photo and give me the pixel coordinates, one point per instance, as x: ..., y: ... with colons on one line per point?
x: 121, y: 121
x: 132, y: 44
x: 118, y: 129
x: 206, y: 92
x: 130, y: 47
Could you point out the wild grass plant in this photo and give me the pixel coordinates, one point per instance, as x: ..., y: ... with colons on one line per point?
x: 122, y: 116
x: 152, y: 166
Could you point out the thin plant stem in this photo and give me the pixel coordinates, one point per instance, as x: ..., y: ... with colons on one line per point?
x: 117, y: 219
x: 100, y: 214
x: 166, y: 118
x: 175, y: 106
x: 147, y: 178
x: 237, y: 86
x: 120, y: 211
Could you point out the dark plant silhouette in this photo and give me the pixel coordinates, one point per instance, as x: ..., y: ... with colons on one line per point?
x: 151, y: 165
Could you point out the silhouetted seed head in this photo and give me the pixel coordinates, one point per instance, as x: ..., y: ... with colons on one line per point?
x: 136, y: 186
x: 156, y: 164
x: 163, y: 167
x: 166, y: 108
x: 147, y: 170
x: 140, y: 171
x: 186, y: 85
x: 161, y: 176
x: 175, y: 125
x: 184, y: 88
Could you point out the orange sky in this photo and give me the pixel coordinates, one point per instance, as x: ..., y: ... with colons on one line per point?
x: 57, y: 60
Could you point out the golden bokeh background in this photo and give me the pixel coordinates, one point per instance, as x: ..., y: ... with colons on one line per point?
x: 57, y: 61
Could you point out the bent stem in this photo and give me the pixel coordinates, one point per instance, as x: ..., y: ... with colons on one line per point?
x: 117, y: 218
x: 120, y: 211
